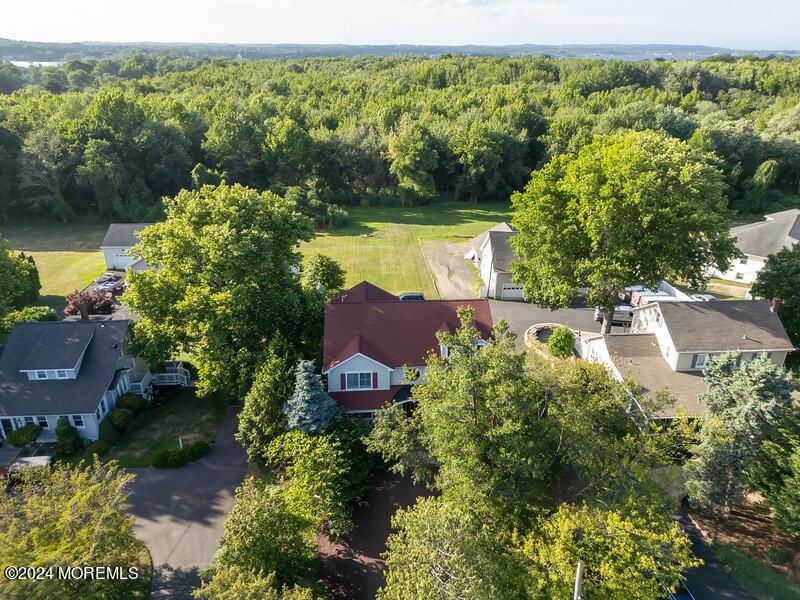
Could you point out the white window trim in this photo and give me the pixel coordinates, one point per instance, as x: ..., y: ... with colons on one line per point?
x: 62, y: 374
x: 42, y: 422
x: 74, y: 424
x: 359, y: 374
x: 41, y: 374
x: 696, y: 360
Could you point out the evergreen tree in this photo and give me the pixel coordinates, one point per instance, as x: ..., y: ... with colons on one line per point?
x: 262, y: 418
x: 745, y: 405
x: 310, y: 408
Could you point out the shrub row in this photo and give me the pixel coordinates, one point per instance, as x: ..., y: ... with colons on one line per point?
x: 164, y: 458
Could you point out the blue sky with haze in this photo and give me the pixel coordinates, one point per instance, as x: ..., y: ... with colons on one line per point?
x: 746, y: 24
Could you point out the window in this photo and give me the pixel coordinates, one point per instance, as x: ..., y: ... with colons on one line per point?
x: 743, y: 261
x: 61, y: 374
x: 104, y: 406
x: 97, y: 414
x: 43, y: 422
x: 77, y: 420
x: 359, y: 381
x: 29, y: 421
x: 699, y: 361
x: 41, y: 374
x: 740, y: 276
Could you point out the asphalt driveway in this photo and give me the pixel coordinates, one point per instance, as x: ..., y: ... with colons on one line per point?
x: 521, y: 315
x: 180, y: 513
x: 710, y: 581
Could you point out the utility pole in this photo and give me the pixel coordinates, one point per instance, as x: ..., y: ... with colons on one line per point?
x: 577, y: 595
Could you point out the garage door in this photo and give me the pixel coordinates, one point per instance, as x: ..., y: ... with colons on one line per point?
x: 512, y: 291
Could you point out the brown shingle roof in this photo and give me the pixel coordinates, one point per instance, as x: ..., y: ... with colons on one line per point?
x: 393, y: 332
x: 638, y: 357
x: 724, y: 326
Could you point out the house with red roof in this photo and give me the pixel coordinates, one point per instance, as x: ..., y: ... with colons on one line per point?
x: 373, y: 337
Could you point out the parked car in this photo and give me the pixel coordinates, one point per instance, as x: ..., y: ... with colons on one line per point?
x: 703, y: 297
x: 112, y: 285
x: 412, y: 296
x: 623, y: 315
x: 106, y: 277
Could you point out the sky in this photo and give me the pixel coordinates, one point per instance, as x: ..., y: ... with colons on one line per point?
x: 739, y: 24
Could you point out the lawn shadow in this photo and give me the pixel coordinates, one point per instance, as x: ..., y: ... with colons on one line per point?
x: 169, y: 582
x: 54, y: 237
x: 435, y: 214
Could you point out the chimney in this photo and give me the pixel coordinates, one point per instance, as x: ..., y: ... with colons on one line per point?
x: 775, y: 304
x: 83, y: 307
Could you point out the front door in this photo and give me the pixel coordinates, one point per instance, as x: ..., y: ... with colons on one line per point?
x: 7, y: 425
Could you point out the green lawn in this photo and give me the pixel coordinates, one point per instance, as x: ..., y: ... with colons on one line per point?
x: 756, y: 577
x: 67, y: 256
x: 391, y: 255
x: 185, y: 415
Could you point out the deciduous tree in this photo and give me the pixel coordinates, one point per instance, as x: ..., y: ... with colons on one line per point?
x: 631, y: 208
x: 223, y: 283
x: 69, y: 516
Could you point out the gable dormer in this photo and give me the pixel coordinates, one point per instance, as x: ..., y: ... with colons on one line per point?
x: 57, y: 359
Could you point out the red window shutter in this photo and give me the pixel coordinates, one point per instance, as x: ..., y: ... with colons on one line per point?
x: 344, y: 381
x: 374, y: 380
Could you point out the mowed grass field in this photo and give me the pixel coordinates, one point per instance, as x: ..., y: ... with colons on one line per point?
x: 384, y: 245
x: 380, y: 245
x: 68, y: 256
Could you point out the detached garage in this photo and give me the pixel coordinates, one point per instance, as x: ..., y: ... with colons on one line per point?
x: 511, y: 291
x: 116, y: 245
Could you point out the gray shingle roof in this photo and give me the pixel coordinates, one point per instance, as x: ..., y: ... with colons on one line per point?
x: 20, y: 397
x: 724, y: 326
x: 502, y: 252
x: 638, y: 357
x: 779, y: 230
x: 122, y: 234
x: 61, y: 355
x: 476, y: 242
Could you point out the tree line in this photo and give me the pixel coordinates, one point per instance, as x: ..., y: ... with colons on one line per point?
x: 107, y: 139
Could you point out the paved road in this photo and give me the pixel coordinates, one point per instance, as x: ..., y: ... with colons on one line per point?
x: 710, y: 581
x: 180, y: 513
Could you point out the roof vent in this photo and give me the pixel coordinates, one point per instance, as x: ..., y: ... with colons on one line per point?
x: 744, y: 337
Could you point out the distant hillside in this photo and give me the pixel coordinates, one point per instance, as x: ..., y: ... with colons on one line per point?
x: 52, y: 52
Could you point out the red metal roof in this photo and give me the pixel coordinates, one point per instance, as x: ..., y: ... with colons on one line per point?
x: 393, y: 332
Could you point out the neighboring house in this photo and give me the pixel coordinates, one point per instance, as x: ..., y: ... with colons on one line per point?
x: 371, y: 337
x: 757, y: 241
x: 74, y: 369
x: 116, y: 245
x: 476, y: 243
x: 492, y: 254
x: 669, y: 345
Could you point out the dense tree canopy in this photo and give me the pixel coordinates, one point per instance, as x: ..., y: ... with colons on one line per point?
x: 780, y: 278
x: 636, y: 207
x: 69, y: 516
x: 746, y: 404
x: 224, y: 282
x: 19, y: 279
x: 365, y: 129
